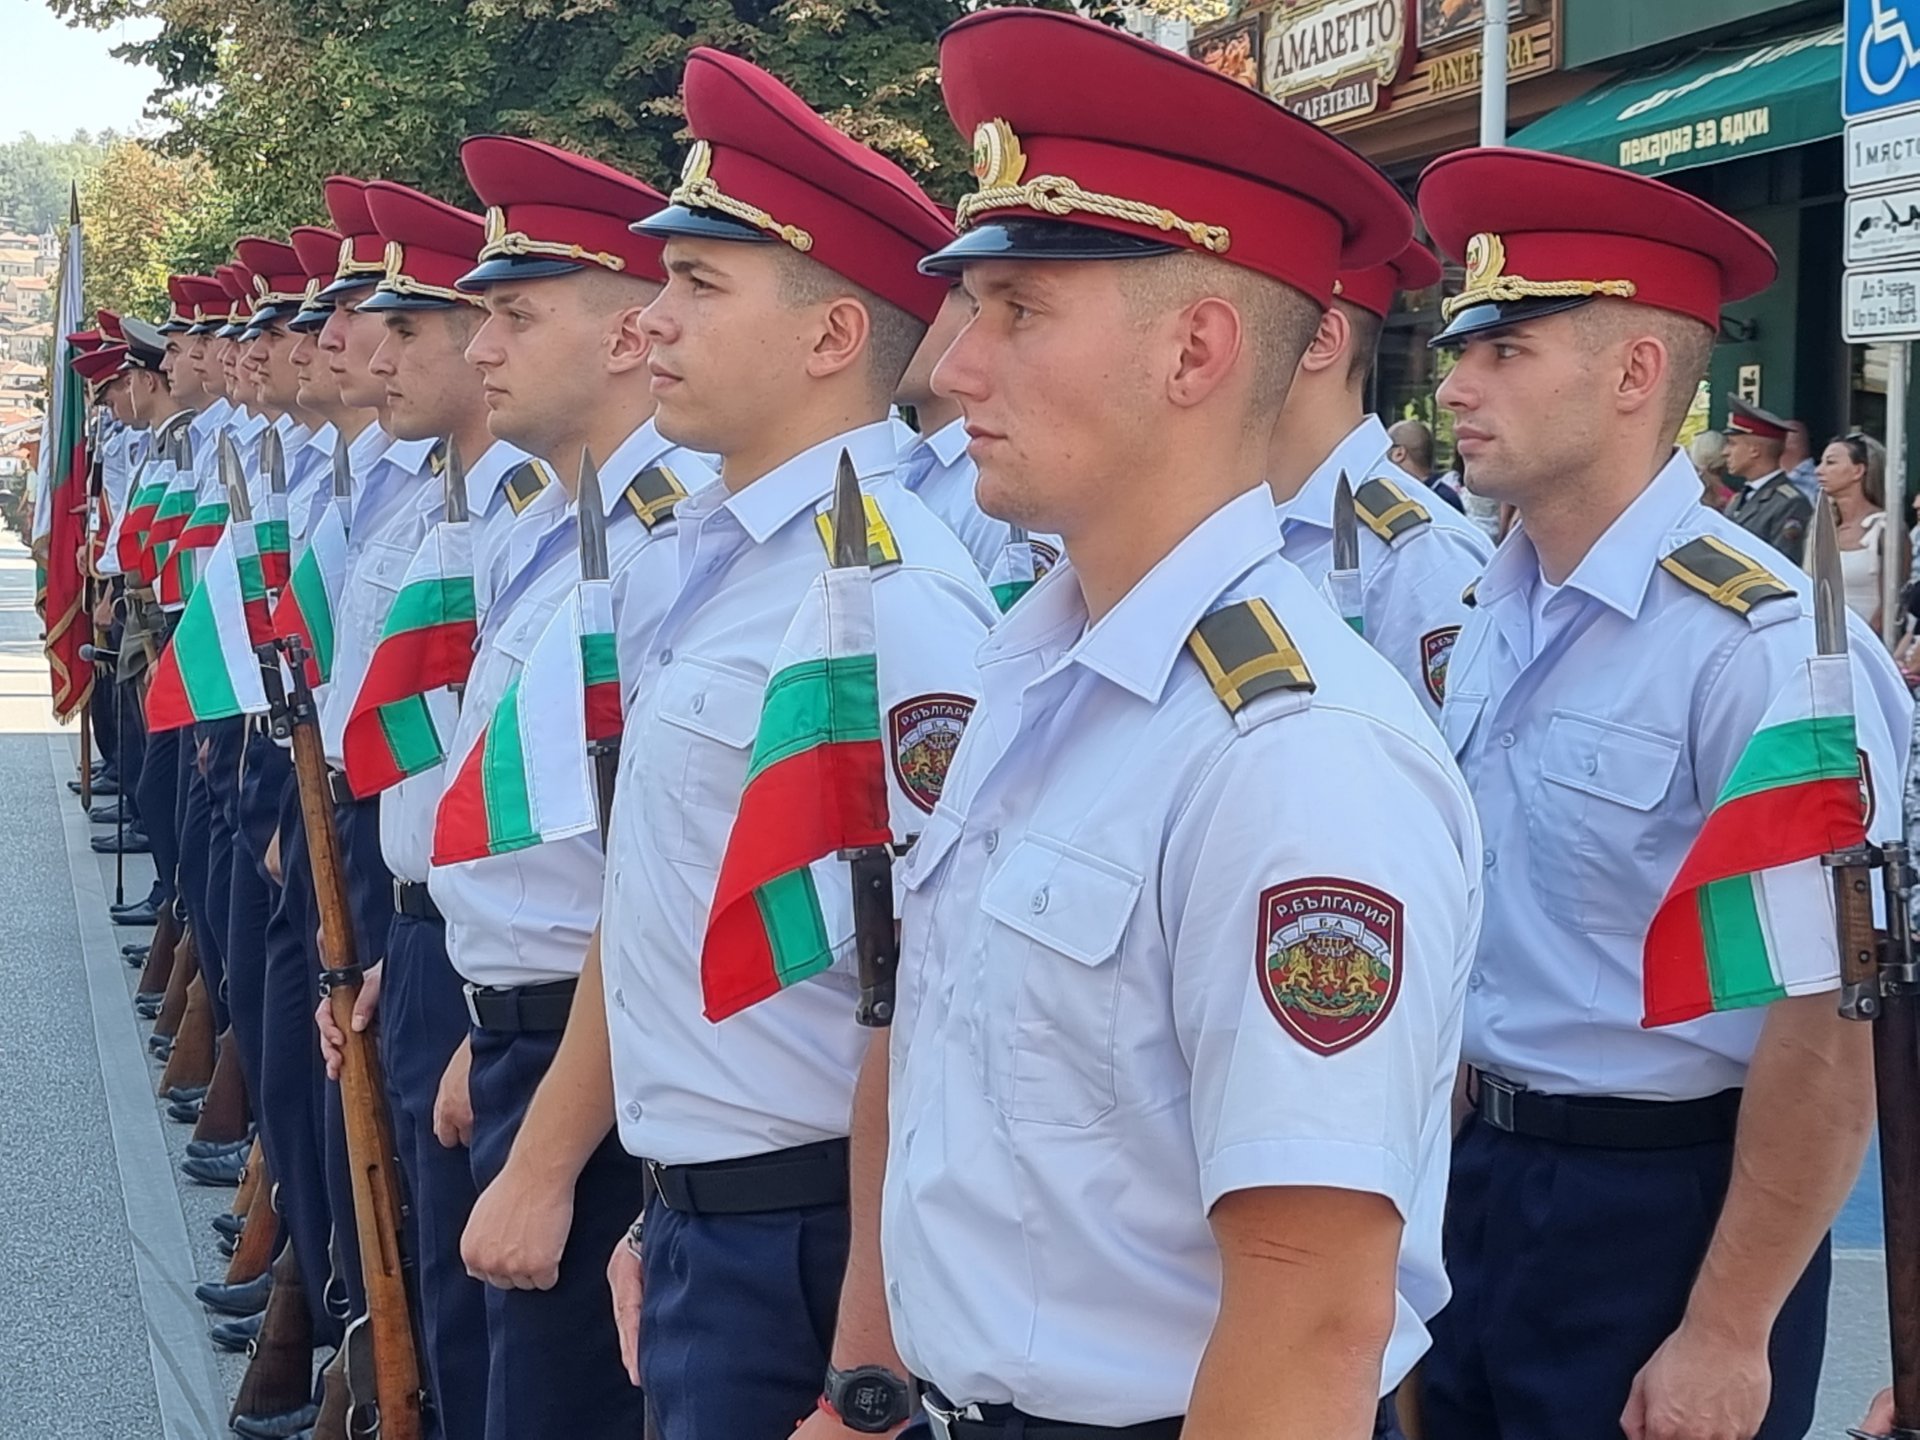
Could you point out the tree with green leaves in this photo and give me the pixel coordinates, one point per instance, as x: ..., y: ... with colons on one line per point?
x: 141, y: 211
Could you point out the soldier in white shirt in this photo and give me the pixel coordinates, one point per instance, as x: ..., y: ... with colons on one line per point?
x: 1637, y: 1226
x: 1167, y: 1099
x: 1416, y: 558
x: 792, y: 309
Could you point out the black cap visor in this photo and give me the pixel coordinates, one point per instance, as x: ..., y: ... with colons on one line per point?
x: 384, y: 299
x: 1017, y: 238
x: 502, y: 268
x: 342, y: 288
x: 700, y: 224
x: 309, y: 319
x: 1500, y: 315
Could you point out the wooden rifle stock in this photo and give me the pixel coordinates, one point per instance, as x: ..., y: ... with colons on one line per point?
x: 370, y: 1153
x: 159, y: 967
x: 185, y: 969
x: 190, y: 1062
x: 224, y: 1113
x: 253, y: 1255
x: 279, y: 1378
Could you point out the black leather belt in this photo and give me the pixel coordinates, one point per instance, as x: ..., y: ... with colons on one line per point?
x: 538, y: 1009
x: 806, y: 1175
x: 338, y: 790
x: 410, y: 898
x: 1003, y: 1422
x: 1603, y: 1121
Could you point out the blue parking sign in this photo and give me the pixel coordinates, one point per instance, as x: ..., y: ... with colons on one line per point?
x: 1883, y: 57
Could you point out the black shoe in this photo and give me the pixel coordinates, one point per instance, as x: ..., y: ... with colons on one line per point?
x: 184, y: 1112
x: 186, y: 1094
x: 236, y: 1335
x: 226, y: 1247
x: 142, y: 914
x: 133, y: 841
x: 241, y: 1300
x: 152, y: 900
x: 216, y: 1170
x: 134, y: 951
x: 110, y: 813
x: 103, y: 784
x: 203, y: 1149
x: 228, y: 1224
x: 290, y: 1426
x: 160, y: 1045
x: 147, y: 1006
x: 136, y: 962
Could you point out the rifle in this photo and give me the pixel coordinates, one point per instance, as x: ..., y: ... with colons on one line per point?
x: 279, y: 1378
x: 224, y: 1111
x: 396, y: 1400
x: 253, y: 1252
x: 158, y: 970
x: 1880, y: 986
x: 594, y: 566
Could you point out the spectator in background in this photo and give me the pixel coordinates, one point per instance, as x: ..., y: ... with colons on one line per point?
x: 1853, y: 477
x: 1798, y: 460
x: 1708, y: 452
x: 1765, y: 502
x: 1412, y: 451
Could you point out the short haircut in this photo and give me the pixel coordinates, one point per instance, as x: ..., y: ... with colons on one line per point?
x: 1414, y: 437
x: 1367, y: 328
x: 606, y: 292
x: 892, y: 334
x: 1278, y: 321
x: 1689, y: 346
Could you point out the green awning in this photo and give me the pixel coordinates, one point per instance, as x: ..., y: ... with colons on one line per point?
x: 1713, y: 105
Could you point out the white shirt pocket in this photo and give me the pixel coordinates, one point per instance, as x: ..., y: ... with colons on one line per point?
x: 1593, y: 827
x: 709, y: 717
x: 1048, y: 1004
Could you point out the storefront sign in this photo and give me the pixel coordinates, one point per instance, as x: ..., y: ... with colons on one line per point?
x: 1441, y: 22
x: 1686, y: 142
x: 1456, y: 73
x: 1330, y: 60
x: 1881, y: 305
x: 1234, y: 51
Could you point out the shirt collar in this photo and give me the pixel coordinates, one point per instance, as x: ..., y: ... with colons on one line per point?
x: 214, y: 416
x: 802, y: 483
x: 644, y: 447
x: 1357, y: 457
x: 410, y: 455
x: 948, y: 443
x: 323, y: 439
x: 487, y: 476
x: 1136, y: 643
x: 1620, y: 564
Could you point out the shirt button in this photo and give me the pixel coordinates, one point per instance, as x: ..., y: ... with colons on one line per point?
x: 1590, y: 764
x: 991, y: 841
x: 699, y: 703
x: 893, y: 1291
x: 1473, y: 981
x: 666, y: 657
x: 1038, y: 905
x: 620, y: 999
x: 1506, y: 740
x: 1487, y: 858
x: 633, y: 1109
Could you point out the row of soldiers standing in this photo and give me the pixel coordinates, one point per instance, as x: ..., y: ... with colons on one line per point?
x: 1276, y: 798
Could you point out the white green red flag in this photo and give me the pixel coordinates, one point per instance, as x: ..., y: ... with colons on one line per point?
x: 136, y: 529
x: 425, y: 645
x: 60, y: 486
x: 1749, y: 918
x: 307, y: 606
x: 202, y: 531
x: 1014, y: 572
x: 176, y: 508
x: 816, y: 784
x: 209, y: 670
x: 272, y: 541
x: 255, y: 595
x: 529, y: 778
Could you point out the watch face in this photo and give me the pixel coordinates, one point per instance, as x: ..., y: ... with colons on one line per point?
x: 869, y: 1399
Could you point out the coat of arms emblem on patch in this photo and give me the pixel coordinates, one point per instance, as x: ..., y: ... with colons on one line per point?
x: 922, y: 735
x: 1436, y: 649
x: 1329, y: 959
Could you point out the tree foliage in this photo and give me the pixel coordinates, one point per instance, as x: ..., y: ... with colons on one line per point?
x: 36, y: 177
x: 142, y: 212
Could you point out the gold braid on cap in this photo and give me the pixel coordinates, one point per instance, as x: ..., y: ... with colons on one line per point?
x: 1488, y: 283
x: 269, y: 296
x: 697, y: 191
x: 1000, y: 166
x: 502, y: 241
x: 394, y: 280
x: 349, y: 267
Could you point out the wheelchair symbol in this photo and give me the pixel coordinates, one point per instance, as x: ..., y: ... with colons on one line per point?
x: 1886, y: 46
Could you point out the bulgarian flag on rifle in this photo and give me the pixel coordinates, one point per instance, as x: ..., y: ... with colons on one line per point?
x: 202, y: 531
x: 306, y: 607
x: 142, y: 507
x: 272, y: 541
x: 529, y: 778
x: 255, y: 591
x: 427, y: 643
x: 209, y: 670
x: 169, y: 519
x: 1021, y: 563
x: 1749, y: 919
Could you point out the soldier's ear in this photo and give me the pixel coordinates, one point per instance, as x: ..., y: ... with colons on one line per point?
x: 1330, y: 342
x: 627, y: 342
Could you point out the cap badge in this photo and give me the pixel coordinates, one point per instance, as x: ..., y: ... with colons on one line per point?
x: 697, y: 191
x: 1488, y: 282
x: 1486, y: 259
x: 997, y: 156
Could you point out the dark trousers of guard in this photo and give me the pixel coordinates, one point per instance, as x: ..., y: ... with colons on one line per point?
x: 156, y: 799
x: 743, y: 1262
x: 293, y: 1084
x: 554, y: 1354
x: 193, y: 822
x: 423, y: 1020
x: 1572, y: 1262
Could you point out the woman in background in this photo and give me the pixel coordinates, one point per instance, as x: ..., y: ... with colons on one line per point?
x: 1852, y: 473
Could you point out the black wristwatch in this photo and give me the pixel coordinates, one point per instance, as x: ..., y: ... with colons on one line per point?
x: 870, y: 1398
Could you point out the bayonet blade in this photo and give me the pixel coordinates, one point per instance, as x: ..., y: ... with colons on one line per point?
x: 1346, y: 527
x: 1829, y: 589
x: 276, y: 463
x: 342, y: 471
x: 233, y: 479
x: 592, y: 506
x: 456, y: 483
x: 849, y: 517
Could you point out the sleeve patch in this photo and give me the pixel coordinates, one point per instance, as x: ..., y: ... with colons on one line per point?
x: 1328, y: 960
x: 922, y: 734
x: 1436, y: 650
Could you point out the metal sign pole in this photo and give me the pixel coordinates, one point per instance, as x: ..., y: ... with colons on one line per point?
x: 1894, y: 533
x: 1493, y: 75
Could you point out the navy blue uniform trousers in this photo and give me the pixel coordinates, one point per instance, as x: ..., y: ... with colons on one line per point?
x: 194, y: 818
x: 555, y: 1354
x: 254, y: 814
x: 423, y: 1019
x: 156, y: 799
x: 1570, y: 1266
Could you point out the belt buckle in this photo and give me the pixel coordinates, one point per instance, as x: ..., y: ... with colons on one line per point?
x: 399, y: 895
x: 1496, y: 1100
x: 468, y: 991
x: 939, y: 1420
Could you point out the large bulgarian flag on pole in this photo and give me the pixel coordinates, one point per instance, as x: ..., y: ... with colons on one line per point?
x: 529, y: 778
x: 427, y: 643
x: 61, y: 494
x: 209, y: 670
x: 816, y: 784
x: 1749, y: 918
x: 306, y: 607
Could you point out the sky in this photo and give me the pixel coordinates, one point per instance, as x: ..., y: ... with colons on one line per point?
x: 59, y: 80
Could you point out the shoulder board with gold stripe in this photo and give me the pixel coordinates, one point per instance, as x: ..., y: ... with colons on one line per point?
x: 882, y: 549
x: 654, y: 493
x: 527, y: 482
x: 1722, y: 574
x: 1388, y: 510
x: 1246, y: 653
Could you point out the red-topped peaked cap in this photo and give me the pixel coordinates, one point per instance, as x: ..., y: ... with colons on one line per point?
x: 86, y: 340
x: 1542, y: 233
x: 108, y: 322
x: 181, y: 293
x: 1090, y: 143
x: 1744, y: 418
x: 237, y: 281
x: 1373, y: 288
x: 206, y: 303
x: 552, y: 212
x: 279, y: 280
x: 430, y: 245
x: 765, y: 168
x: 318, y: 250
x: 101, y: 364
x: 360, y: 258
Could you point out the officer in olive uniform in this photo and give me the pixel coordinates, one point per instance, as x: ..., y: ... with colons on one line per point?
x: 1769, y: 504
